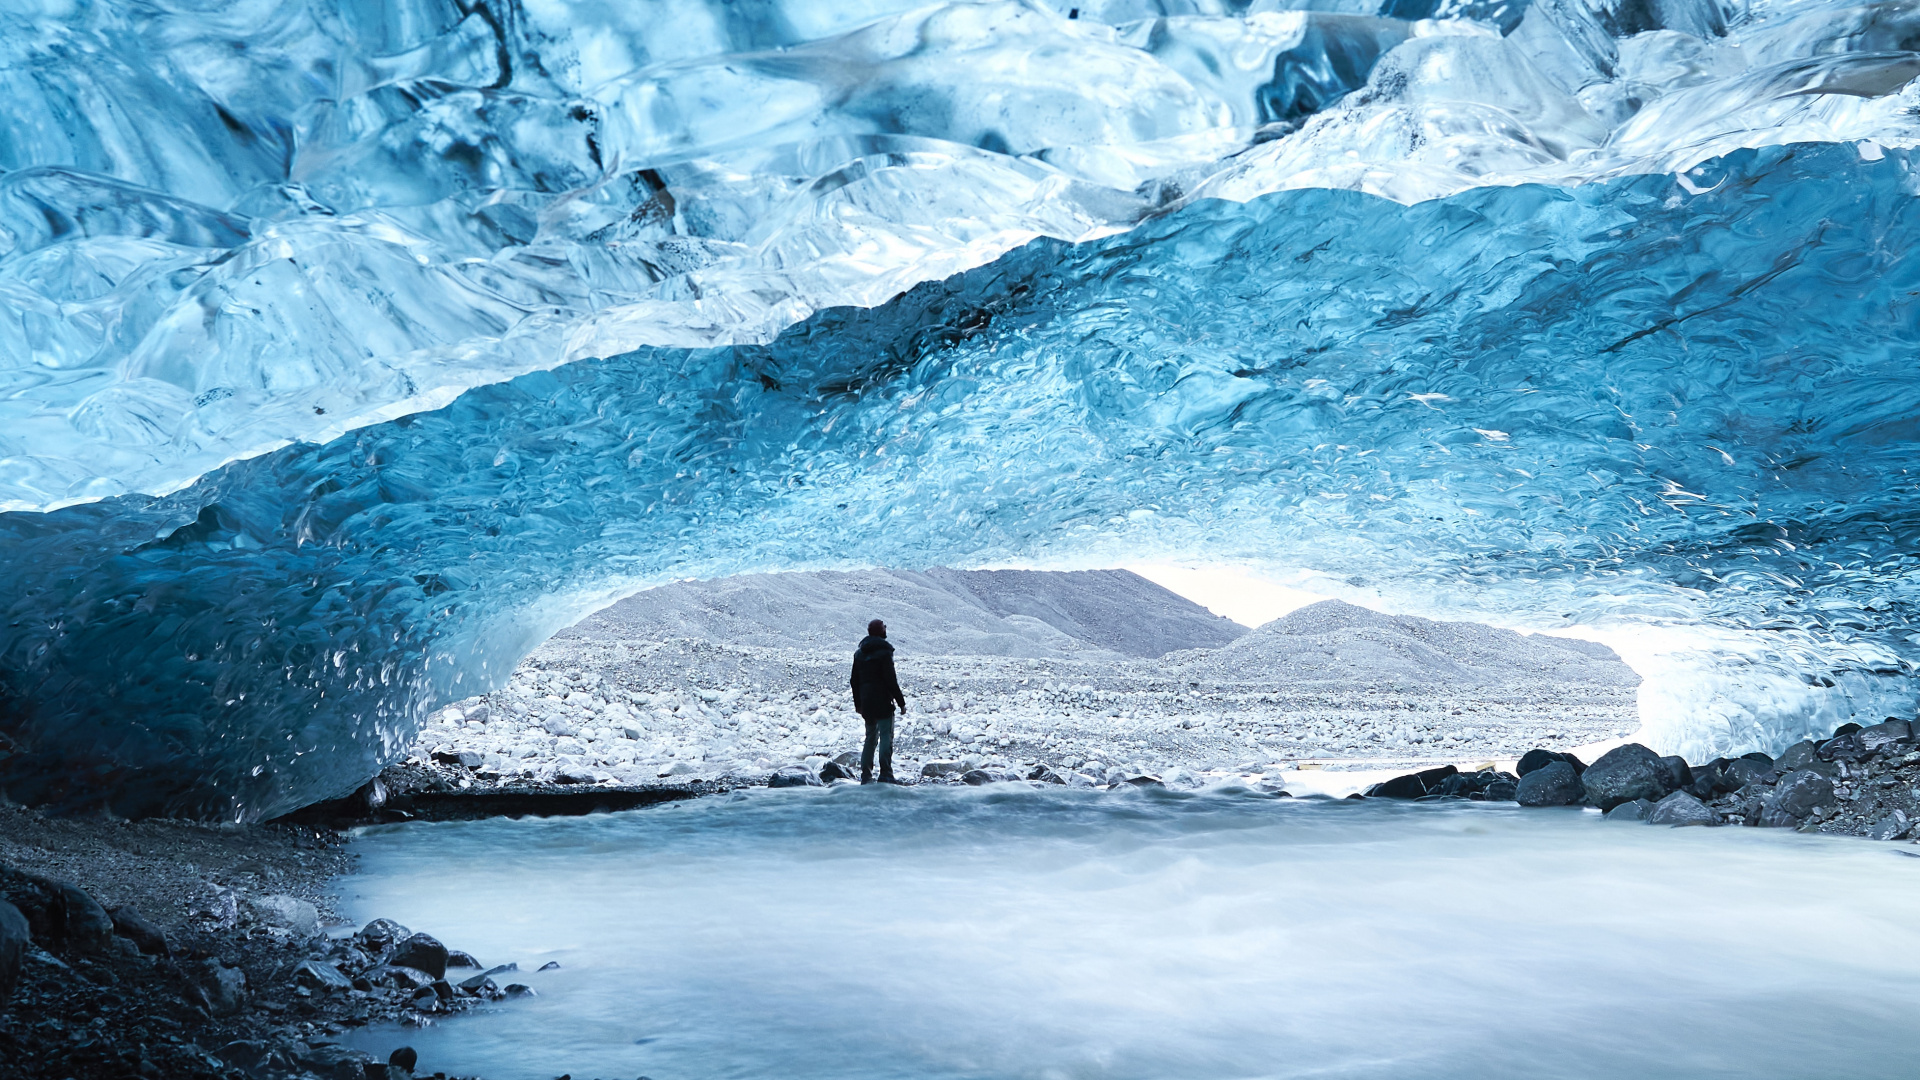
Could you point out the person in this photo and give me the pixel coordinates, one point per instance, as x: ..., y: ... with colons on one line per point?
x: 876, y: 690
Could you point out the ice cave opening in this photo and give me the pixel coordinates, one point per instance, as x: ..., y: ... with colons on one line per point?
x: 352, y: 349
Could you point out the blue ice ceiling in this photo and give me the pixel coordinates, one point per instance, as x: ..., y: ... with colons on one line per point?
x: 351, y: 349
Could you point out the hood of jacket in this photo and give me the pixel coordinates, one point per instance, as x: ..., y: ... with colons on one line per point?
x: 871, y: 646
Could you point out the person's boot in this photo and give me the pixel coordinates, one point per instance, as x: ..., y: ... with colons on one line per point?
x: 866, y: 776
x: 886, y: 777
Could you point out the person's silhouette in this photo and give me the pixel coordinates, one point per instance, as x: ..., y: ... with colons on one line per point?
x: 876, y: 690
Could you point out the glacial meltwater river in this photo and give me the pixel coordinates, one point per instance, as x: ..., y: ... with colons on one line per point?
x: 1004, y: 932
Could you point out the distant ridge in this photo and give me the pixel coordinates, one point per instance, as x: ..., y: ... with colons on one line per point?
x: 1022, y: 613
x: 1334, y: 641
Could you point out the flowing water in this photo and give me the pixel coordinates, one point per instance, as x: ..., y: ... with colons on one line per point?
x: 1008, y: 932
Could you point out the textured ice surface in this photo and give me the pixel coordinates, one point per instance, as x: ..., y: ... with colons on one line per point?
x: 390, y: 338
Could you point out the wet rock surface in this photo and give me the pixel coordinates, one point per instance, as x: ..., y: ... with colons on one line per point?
x: 159, y: 950
x: 1862, y: 781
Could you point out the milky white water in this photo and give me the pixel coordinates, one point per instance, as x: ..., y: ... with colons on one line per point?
x: 1007, y: 932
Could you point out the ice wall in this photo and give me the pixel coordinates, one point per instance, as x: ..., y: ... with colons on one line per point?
x: 353, y: 349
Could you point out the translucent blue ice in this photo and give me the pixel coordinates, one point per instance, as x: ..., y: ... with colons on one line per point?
x: 350, y: 350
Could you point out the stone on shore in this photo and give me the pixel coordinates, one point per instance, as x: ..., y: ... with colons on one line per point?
x: 1636, y: 811
x: 421, y: 952
x: 940, y: 770
x: 1626, y: 773
x: 1412, y: 785
x: 294, y: 915
x: 1795, y: 799
x: 333, y: 1062
x: 1681, y: 808
x: 793, y: 776
x: 380, y: 935
x: 14, y: 940
x: 219, y: 989
x: 1553, y: 784
x: 145, y: 936
x: 1891, y: 827
x: 320, y: 975
x: 1538, y: 758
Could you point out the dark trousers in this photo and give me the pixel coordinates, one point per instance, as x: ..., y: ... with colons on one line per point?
x: 880, y: 736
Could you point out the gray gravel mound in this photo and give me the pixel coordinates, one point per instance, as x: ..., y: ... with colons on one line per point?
x: 1017, y: 613
x: 1339, y: 642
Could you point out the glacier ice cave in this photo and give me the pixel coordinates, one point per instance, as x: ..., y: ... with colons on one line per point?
x: 353, y: 347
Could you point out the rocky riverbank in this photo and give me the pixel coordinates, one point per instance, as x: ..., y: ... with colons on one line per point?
x: 1863, y: 781
x: 171, y: 951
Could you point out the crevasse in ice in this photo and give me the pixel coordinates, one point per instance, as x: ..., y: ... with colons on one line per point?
x: 353, y: 348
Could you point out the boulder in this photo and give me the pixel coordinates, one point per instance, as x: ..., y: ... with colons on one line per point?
x: 320, y: 975
x: 1042, y: 774
x: 1538, y: 758
x: 1880, y: 736
x: 1681, y: 808
x: 331, y: 1061
x: 940, y: 770
x: 1636, y: 810
x: 1795, y: 797
x: 380, y: 935
x: 1626, y: 773
x: 977, y: 777
x: 1412, y: 785
x: 404, y: 1058
x: 1501, y: 790
x: 1742, y: 771
x: 59, y: 915
x: 793, y: 776
x: 145, y: 936
x: 458, y: 959
x: 421, y: 952
x: 1554, y: 784
x: 1891, y: 827
x: 1848, y: 747
x: 1798, y: 756
x: 289, y: 913
x: 468, y: 759
x: 400, y: 978
x: 1678, y: 773
x: 833, y: 770
x: 14, y: 940
x: 219, y: 989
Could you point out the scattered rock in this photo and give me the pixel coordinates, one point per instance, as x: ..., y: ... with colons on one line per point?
x: 468, y: 759
x: 1412, y: 785
x: 833, y: 770
x: 1636, y: 810
x: 14, y: 940
x: 940, y: 770
x: 295, y: 916
x: 1677, y: 773
x: 551, y: 965
x: 1539, y: 758
x: 1798, y: 756
x: 333, y: 1062
x: 219, y: 989
x: 519, y: 990
x: 320, y: 975
x: 145, y: 936
x: 458, y: 959
x: 422, y: 952
x: 1553, y: 784
x: 1624, y: 774
x: 1145, y: 782
x: 1681, y: 808
x: 1044, y: 775
x: 1880, y: 736
x: 1795, y: 798
x: 977, y: 777
x: 1891, y: 827
x: 793, y: 776
x: 380, y: 935
x: 400, y: 978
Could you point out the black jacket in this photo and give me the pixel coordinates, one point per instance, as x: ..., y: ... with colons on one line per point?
x: 875, y: 687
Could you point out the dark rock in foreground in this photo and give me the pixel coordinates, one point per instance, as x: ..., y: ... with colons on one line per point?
x: 1626, y: 773
x: 1553, y: 784
x: 1681, y: 808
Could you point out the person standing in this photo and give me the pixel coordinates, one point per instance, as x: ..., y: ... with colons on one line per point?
x: 876, y: 690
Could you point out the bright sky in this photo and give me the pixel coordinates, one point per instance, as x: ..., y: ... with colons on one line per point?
x: 1242, y: 595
